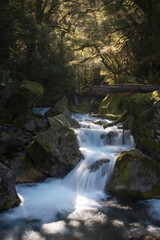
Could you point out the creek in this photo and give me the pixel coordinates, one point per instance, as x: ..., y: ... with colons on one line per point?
x: 78, y: 205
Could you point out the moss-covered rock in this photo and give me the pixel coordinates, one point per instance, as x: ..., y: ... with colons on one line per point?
x: 8, y: 195
x: 140, y: 113
x: 55, y: 149
x: 113, y: 106
x: 144, y: 122
x: 33, y: 88
x: 136, y: 175
x: 30, y: 122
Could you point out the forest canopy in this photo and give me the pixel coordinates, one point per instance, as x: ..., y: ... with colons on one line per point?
x: 67, y: 45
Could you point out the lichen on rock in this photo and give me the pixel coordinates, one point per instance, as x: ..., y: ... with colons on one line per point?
x: 136, y: 175
x: 55, y: 149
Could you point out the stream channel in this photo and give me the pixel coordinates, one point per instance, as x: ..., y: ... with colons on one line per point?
x: 77, y: 206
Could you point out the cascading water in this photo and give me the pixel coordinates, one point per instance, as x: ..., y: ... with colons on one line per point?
x: 82, y: 188
x: 92, y: 173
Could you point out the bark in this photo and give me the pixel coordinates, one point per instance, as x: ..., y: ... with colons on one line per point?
x: 125, y: 89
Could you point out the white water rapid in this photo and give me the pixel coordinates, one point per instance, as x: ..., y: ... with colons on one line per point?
x: 81, y: 190
x: 84, y: 186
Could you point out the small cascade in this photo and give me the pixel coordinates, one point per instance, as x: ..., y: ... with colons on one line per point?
x: 100, y: 148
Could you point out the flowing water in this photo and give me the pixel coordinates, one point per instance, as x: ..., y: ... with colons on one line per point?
x: 78, y: 205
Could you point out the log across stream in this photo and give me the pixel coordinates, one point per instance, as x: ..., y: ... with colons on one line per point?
x: 78, y: 205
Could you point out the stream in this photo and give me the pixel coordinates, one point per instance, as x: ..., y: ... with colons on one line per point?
x: 77, y: 206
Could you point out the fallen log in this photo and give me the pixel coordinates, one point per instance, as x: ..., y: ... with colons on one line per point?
x: 124, y: 89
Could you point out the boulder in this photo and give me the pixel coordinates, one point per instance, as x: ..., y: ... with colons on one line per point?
x: 144, y: 122
x: 73, y: 122
x: 34, y: 89
x: 136, y: 175
x: 23, y: 168
x: 113, y: 106
x: 95, y: 166
x: 55, y: 149
x: 59, y: 107
x: 12, y: 140
x: 8, y: 195
x: 30, y: 121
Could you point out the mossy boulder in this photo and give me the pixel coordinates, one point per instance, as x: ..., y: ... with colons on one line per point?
x: 144, y: 122
x: 55, y: 149
x: 30, y: 121
x: 33, y: 88
x: 136, y: 175
x: 8, y: 195
x: 113, y: 106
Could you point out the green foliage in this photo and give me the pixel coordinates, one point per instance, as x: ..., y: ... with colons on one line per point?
x: 65, y: 45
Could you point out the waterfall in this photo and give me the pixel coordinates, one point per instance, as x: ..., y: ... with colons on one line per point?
x: 84, y: 186
x: 100, y: 149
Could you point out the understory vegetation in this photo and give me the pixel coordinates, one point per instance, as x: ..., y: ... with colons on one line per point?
x: 69, y: 45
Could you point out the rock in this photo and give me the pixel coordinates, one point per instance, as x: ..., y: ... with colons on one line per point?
x: 144, y: 122
x: 108, y: 137
x: 25, y: 121
x: 11, y: 139
x: 73, y: 122
x: 136, y: 175
x: 8, y: 195
x: 23, y: 168
x: 95, y: 166
x: 55, y: 149
x: 113, y: 106
x: 60, y: 107
x: 141, y: 114
x: 98, y: 122
x: 30, y: 122
x: 62, y: 103
x: 33, y: 88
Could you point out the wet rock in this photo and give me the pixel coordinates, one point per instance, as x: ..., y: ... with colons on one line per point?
x: 136, y: 175
x: 95, y: 166
x: 108, y: 137
x: 8, y: 195
x: 55, y: 149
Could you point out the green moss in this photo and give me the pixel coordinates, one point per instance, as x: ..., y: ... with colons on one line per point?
x: 122, y: 118
x: 113, y: 106
x: 33, y: 88
x: 9, y: 204
x: 134, y: 173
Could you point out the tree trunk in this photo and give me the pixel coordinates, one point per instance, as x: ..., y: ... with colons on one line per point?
x: 124, y: 89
